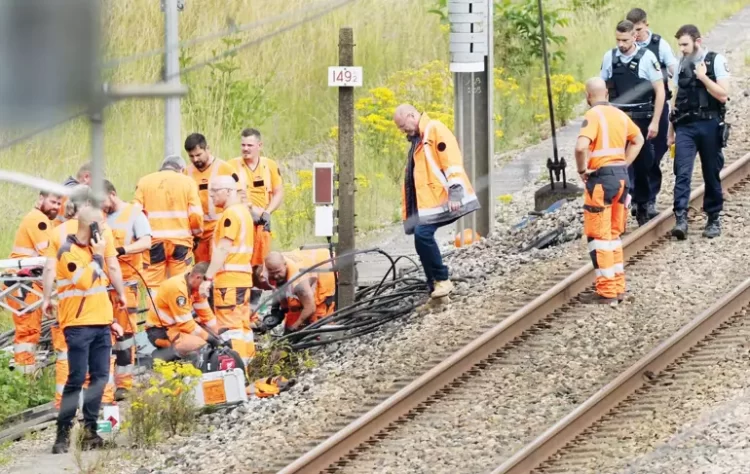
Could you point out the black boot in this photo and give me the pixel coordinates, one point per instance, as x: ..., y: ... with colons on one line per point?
x: 641, y: 215
x: 62, y: 441
x: 713, y: 227
x: 91, y: 440
x: 120, y: 394
x: 651, y: 211
x: 680, y: 228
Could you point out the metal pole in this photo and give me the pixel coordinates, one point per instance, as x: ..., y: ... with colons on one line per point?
x: 345, y: 225
x: 96, y: 122
x: 549, y: 85
x: 171, y: 71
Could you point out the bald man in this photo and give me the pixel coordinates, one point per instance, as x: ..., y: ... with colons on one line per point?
x: 607, y: 144
x: 436, y: 190
x: 311, y: 296
x: 230, y: 270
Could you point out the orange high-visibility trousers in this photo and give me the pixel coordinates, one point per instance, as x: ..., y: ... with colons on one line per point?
x: 323, y: 309
x: 28, y: 327
x: 203, y: 250
x: 124, y: 350
x: 61, y: 371
x: 261, y: 245
x: 232, y: 310
x: 165, y: 259
x: 604, y: 219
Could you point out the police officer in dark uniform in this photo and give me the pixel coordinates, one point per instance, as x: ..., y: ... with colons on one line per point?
x: 636, y: 86
x: 697, y: 125
x: 667, y: 61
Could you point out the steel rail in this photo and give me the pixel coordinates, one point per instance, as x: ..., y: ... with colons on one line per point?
x: 359, y: 431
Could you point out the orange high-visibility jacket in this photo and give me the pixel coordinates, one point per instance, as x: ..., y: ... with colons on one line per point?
x: 174, y: 309
x: 69, y: 227
x: 69, y: 182
x: 260, y: 182
x: 323, y: 283
x: 438, y: 174
x: 122, y: 231
x: 33, y: 235
x: 171, y: 203
x: 235, y: 224
x: 81, y: 286
x: 202, y: 179
x: 609, y: 129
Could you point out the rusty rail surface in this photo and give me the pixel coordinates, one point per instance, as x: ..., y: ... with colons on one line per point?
x: 586, y: 414
x: 359, y: 431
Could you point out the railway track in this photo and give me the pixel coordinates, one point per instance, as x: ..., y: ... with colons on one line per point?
x: 473, y: 410
x: 685, y: 375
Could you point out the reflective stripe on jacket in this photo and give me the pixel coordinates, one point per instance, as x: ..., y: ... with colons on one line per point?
x: 171, y: 203
x: 438, y: 175
x: 123, y: 231
x: 81, y: 286
x: 235, y: 224
x: 174, y: 310
x: 33, y: 235
x: 203, y: 180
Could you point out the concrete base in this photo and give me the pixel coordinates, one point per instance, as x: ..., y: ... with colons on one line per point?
x: 545, y: 196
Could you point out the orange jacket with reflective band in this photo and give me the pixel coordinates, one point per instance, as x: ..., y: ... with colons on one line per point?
x: 81, y: 286
x: 33, y: 235
x: 70, y: 182
x: 202, y: 179
x: 122, y: 230
x: 235, y: 224
x: 323, y: 283
x: 609, y: 129
x: 438, y: 166
x: 171, y: 203
x: 174, y: 309
x: 260, y: 182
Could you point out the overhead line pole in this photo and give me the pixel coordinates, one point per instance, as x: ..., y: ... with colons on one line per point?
x: 172, y: 75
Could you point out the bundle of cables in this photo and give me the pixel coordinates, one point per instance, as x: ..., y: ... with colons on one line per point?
x: 373, y: 305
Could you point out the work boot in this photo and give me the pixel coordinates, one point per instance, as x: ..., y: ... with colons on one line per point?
x: 442, y: 288
x: 121, y: 394
x: 680, y: 228
x: 62, y: 440
x: 641, y: 216
x: 713, y: 227
x: 91, y: 440
x: 596, y: 298
x: 651, y: 211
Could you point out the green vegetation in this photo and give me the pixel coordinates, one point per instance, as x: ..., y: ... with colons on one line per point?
x: 19, y: 392
x: 279, y: 87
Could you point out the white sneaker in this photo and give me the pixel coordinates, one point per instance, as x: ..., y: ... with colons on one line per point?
x: 442, y: 288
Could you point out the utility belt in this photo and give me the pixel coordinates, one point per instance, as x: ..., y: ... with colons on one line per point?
x: 637, y: 112
x: 677, y: 118
x: 610, y: 170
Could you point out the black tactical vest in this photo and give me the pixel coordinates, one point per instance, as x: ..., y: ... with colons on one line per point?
x: 625, y: 86
x: 653, y: 46
x: 692, y: 95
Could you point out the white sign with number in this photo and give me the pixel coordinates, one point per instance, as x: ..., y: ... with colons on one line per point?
x: 342, y: 76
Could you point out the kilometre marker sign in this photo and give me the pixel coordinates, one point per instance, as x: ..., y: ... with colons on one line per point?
x: 343, y: 76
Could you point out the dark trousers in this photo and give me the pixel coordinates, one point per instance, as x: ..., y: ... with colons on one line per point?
x: 660, y: 149
x: 703, y: 137
x: 89, y: 349
x: 641, y: 169
x: 429, y: 253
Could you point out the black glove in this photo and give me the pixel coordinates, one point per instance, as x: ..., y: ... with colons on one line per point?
x: 213, y: 341
x: 120, y: 251
x: 196, y: 241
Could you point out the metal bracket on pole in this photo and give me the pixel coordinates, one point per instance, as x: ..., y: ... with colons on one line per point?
x: 180, y: 5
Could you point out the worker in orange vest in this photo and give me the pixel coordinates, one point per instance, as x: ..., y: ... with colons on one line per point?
x: 80, y: 200
x: 309, y: 297
x: 609, y: 141
x: 171, y: 327
x: 262, y: 188
x: 85, y: 317
x: 32, y: 240
x: 203, y: 168
x: 132, y: 237
x: 436, y: 190
x: 170, y: 200
x: 231, y: 271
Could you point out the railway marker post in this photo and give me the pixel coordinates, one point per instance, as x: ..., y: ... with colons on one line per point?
x: 471, y: 41
x: 345, y: 77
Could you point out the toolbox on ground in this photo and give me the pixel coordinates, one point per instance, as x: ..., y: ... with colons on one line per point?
x: 220, y: 388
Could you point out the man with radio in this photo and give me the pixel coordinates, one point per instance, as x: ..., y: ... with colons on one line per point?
x: 85, y: 315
